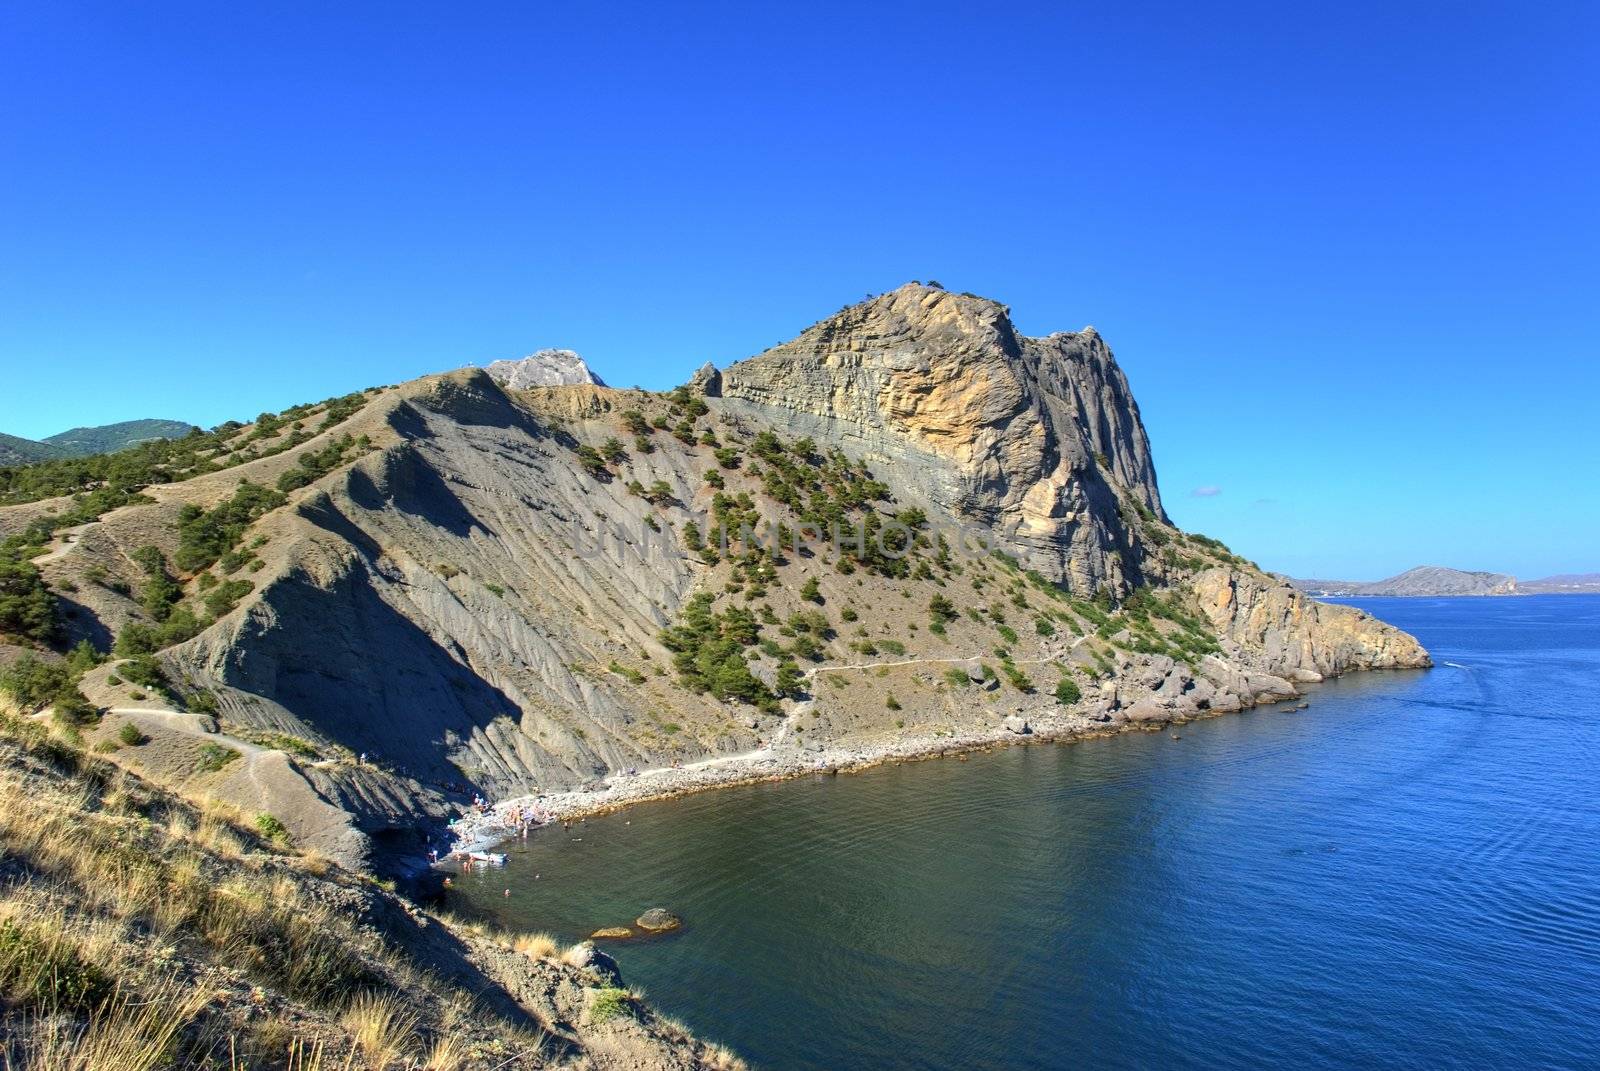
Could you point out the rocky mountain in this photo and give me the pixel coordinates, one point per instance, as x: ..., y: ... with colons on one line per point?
x: 1425, y: 580
x: 910, y: 528
x: 81, y: 442
x: 546, y: 368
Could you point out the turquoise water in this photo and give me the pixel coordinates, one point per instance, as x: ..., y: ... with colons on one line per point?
x: 1405, y: 875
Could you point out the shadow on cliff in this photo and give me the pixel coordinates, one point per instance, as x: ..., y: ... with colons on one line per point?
x: 410, y: 485
x: 345, y: 661
x: 79, y: 622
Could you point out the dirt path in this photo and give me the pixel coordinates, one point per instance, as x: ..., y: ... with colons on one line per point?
x: 69, y: 539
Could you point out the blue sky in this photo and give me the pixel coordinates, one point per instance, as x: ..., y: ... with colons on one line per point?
x: 1347, y: 254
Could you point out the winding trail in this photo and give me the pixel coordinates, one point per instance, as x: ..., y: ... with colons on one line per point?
x: 69, y: 539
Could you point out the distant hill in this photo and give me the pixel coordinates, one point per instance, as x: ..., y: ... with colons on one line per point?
x: 109, y: 438
x: 19, y: 451
x: 1425, y: 580
x: 81, y: 442
x: 1562, y: 584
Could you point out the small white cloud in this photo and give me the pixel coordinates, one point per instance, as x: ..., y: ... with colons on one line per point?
x: 1208, y: 491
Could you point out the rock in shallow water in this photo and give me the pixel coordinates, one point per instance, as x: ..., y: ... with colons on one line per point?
x: 658, y: 920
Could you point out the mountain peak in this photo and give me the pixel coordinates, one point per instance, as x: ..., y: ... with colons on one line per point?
x: 544, y: 368
x: 1038, y: 438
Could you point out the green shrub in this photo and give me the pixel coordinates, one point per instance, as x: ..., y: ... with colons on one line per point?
x: 32, y: 682
x: 708, y: 651
x: 608, y: 1003
x: 627, y: 672
x: 70, y: 710
x: 27, y: 608
x: 42, y: 970
x: 314, y: 464
x: 204, y: 536
x: 221, y: 599
x: 592, y: 462
x: 130, y: 735
x: 144, y: 670
x: 201, y: 703
x: 1018, y: 679
x: 271, y: 829
x: 1068, y: 692
x: 214, y: 757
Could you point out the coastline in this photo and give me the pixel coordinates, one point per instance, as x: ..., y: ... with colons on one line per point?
x: 476, y: 832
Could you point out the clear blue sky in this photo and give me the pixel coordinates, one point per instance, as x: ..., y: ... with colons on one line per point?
x: 1346, y: 253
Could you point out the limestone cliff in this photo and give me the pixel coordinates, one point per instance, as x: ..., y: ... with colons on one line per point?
x: 1296, y: 636
x: 1034, y: 438
x: 546, y: 368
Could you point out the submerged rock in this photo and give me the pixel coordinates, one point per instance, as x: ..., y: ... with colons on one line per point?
x: 658, y: 920
x: 613, y: 933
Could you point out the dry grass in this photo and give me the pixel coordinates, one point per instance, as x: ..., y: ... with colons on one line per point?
x: 448, y: 1052
x: 125, y: 1033
x: 536, y: 945
x: 132, y: 869
x: 722, y: 1058
x: 138, y: 932
x: 383, y: 1028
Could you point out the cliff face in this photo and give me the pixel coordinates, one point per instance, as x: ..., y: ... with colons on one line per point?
x: 1298, y: 637
x: 470, y: 588
x: 1032, y: 438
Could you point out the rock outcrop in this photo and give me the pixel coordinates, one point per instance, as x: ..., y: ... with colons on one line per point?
x: 1296, y: 636
x: 1036, y: 439
x: 546, y: 368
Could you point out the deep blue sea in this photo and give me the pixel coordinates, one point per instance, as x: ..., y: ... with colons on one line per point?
x: 1406, y: 875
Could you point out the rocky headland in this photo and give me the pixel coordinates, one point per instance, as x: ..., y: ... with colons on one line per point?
x: 359, y: 615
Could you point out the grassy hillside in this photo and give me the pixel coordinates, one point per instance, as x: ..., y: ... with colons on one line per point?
x: 138, y: 931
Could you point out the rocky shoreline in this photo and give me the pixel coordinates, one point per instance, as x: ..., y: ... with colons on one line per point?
x: 481, y: 831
